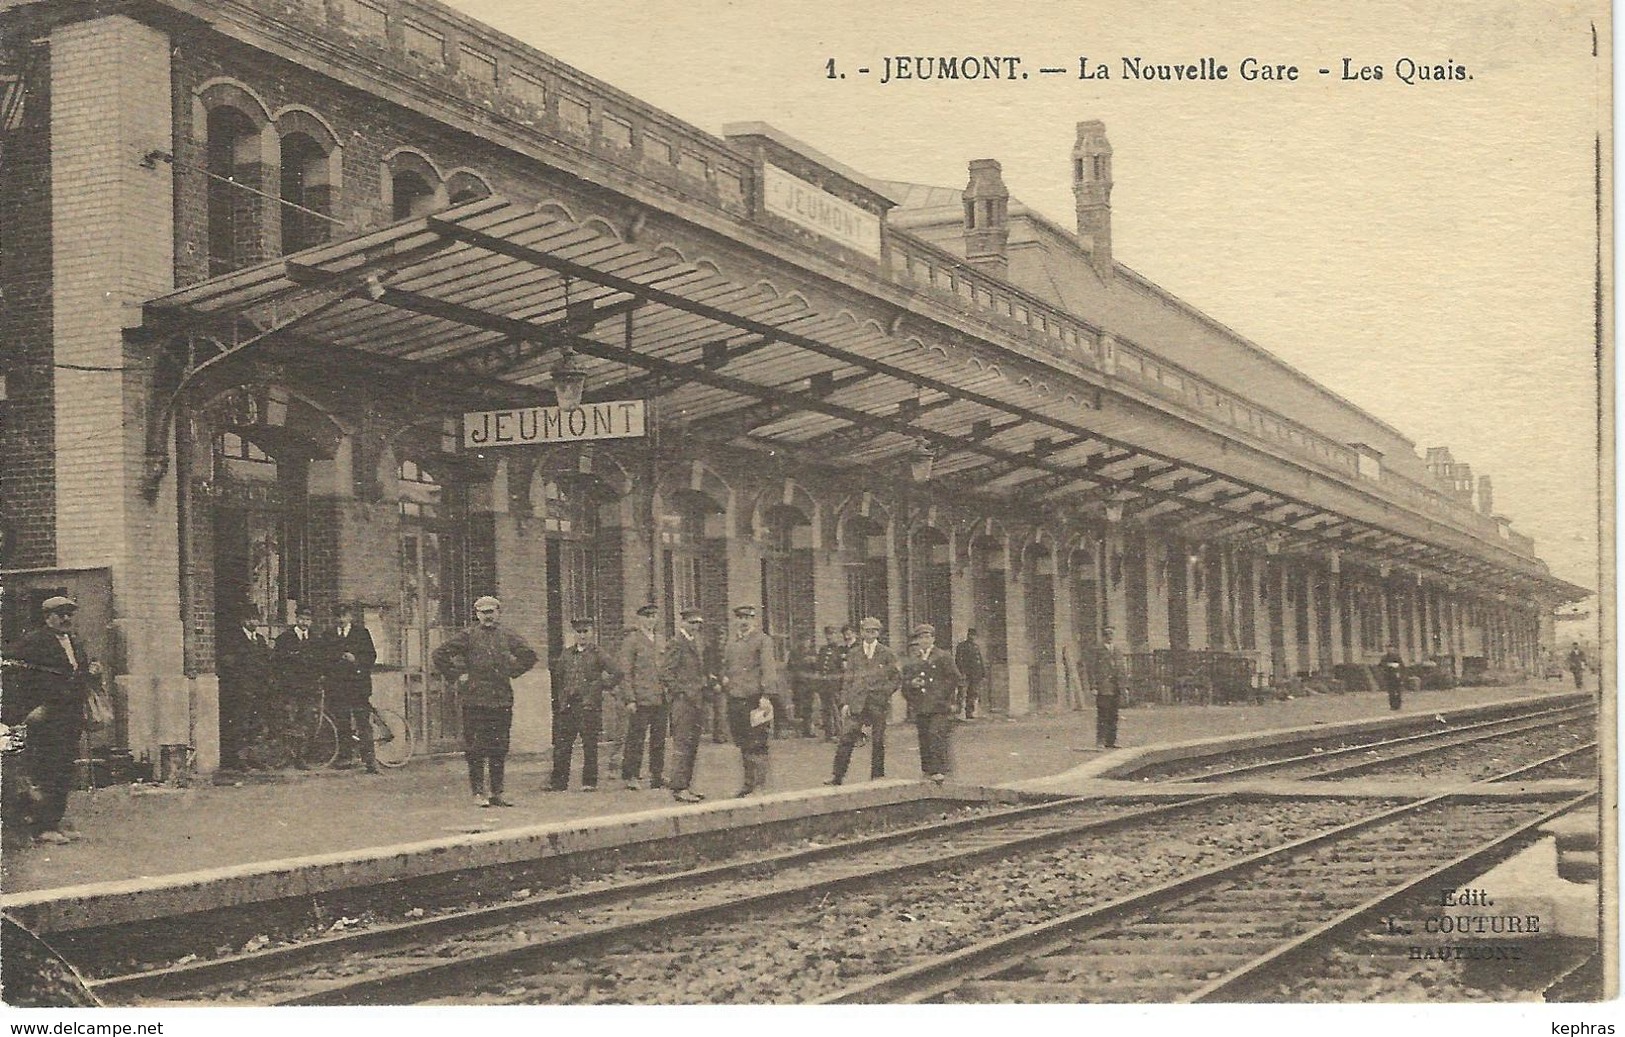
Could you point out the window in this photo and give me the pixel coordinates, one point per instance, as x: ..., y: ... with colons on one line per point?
x: 411, y: 195
x: 231, y: 446
x: 306, y: 194
x: 466, y: 187
x: 421, y: 495
x: 233, y: 205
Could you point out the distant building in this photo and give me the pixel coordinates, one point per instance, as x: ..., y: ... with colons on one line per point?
x: 262, y: 256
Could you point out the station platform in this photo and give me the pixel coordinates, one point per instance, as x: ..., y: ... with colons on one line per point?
x: 134, y: 834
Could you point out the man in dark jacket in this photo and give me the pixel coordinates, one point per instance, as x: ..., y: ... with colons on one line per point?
x: 968, y: 657
x: 297, y: 657
x: 1577, y: 665
x: 243, y: 663
x: 931, y: 684
x: 685, y: 679
x: 1392, y: 667
x: 831, y: 661
x: 803, y: 666
x: 584, y: 676
x: 646, y: 717
x: 484, y: 659
x: 48, y: 674
x: 351, y: 655
x: 867, y: 686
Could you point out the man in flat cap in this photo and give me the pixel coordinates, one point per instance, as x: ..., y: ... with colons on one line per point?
x: 931, y: 683
x: 870, y: 680
x: 750, y: 679
x: 584, y: 676
x: 48, y: 676
x: 646, y: 717
x: 685, y: 679
x: 484, y: 659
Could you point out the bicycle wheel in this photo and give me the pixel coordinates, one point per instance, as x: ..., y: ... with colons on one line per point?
x: 391, y: 738
x: 321, y: 747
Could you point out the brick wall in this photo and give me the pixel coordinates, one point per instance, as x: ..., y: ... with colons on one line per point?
x: 28, y: 428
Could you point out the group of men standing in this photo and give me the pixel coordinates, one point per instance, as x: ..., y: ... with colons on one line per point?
x: 634, y: 697
x: 872, y: 673
x: 268, y: 691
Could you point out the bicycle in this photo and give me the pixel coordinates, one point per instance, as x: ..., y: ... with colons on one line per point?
x: 315, y: 738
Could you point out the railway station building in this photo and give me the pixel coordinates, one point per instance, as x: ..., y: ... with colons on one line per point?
x: 321, y: 301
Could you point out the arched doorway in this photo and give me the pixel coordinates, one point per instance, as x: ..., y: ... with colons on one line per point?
x: 864, y: 562
x: 1038, y: 568
x: 255, y: 524
x: 988, y: 607
x: 787, y: 576
x: 434, y: 598
x: 1084, y: 583
x: 931, y: 596
x: 568, y: 504
x: 694, y: 558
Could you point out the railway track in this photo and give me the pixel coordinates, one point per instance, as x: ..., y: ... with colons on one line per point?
x: 1345, y: 761
x: 543, y: 948
x: 1207, y: 937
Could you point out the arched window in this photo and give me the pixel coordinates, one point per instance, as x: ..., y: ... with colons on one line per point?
x: 463, y: 187
x: 307, y: 192
x: 233, y: 206
x: 411, y: 195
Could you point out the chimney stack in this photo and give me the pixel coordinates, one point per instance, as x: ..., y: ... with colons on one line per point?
x: 1092, y: 186
x: 1486, y: 496
x: 987, y: 229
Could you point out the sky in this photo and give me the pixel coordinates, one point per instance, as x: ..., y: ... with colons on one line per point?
x: 1424, y: 249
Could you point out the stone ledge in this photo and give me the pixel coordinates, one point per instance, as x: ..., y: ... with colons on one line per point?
x: 132, y: 900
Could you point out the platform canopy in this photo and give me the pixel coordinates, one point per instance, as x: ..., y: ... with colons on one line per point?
x: 479, y: 301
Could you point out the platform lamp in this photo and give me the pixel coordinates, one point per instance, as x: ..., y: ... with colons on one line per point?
x: 569, y: 379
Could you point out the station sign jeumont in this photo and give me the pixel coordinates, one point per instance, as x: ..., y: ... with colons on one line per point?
x: 528, y: 426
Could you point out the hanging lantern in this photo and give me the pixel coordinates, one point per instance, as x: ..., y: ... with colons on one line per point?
x: 569, y: 380
x: 920, y: 460
x: 1114, y: 507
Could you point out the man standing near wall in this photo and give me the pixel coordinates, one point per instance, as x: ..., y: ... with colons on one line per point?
x: 645, y: 717
x: 931, y: 683
x: 47, y: 679
x: 831, y: 660
x: 750, y: 678
x: 871, y: 678
x: 584, y: 680
x: 297, y: 657
x: 484, y: 659
x: 243, y: 661
x: 686, y: 679
x: 1109, y: 685
x: 349, y: 689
